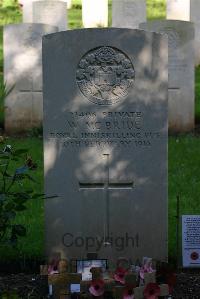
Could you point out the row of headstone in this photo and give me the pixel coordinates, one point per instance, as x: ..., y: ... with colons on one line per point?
x: 48, y: 12
x: 130, y: 13
x: 125, y: 14
x: 23, y: 61
x: 187, y: 10
x: 181, y: 67
x: 181, y: 57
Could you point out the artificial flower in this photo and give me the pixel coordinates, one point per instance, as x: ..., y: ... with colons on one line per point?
x: 119, y: 275
x: 152, y: 291
x: 128, y: 292
x: 97, y: 287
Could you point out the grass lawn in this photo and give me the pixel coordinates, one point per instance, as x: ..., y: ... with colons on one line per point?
x: 184, y: 158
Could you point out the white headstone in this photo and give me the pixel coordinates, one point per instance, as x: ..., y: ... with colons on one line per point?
x: 23, y: 70
x: 187, y: 10
x: 95, y: 13
x: 128, y: 13
x: 50, y: 12
x: 105, y: 138
x: 181, y: 71
x: 27, y: 8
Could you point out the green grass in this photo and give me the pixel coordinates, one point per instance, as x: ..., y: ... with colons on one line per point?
x: 33, y: 218
x: 156, y: 9
x: 184, y: 180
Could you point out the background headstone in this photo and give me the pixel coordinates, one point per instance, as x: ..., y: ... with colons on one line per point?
x: 187, y: 10
x: 23, y: 69
x: 181, y: 71
x: 50, y: 12
x: 105, y: 137
x: 95, y: 13
x: 128, y: 13
x: 27, y: 8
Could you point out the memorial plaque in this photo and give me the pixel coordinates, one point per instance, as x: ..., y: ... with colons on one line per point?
x: 105, y: 143
x: 95, y: 13
x: 128, y: 13
x: 181, y: 71
x: 187, y: 10
x: 191, y: 241
x: 51, y: 12
x: 23, y: 70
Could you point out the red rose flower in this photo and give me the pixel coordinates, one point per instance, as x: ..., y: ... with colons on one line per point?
x: 152, y: 291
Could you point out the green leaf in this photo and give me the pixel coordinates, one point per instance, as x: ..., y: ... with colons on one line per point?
x: 30, y: 178
x: 5, y: 157
x: 10, y: 215
x: 19, y: 230
x: 2, y: 197
x: 37, y: 195
x: 20, y: 152
x: 20, y: 208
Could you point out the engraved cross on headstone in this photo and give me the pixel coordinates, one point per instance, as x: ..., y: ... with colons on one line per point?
x: 106, y: 186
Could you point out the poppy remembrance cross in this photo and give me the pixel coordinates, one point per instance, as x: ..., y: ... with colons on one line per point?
x: 107, y: 186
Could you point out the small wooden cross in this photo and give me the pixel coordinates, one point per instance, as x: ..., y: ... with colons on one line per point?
x: 130, y: 280
x: 150, y: 278
x: 60, y: 282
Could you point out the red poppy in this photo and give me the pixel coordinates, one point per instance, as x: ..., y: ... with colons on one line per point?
x: 194, y: 256
x: 152, y: 291
x: 119, y: 275
x: 128, y: 292
x: 97, y: 287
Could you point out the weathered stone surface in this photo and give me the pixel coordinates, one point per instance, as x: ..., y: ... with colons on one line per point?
x: 181, y: 71
x: 27, y: 8
x: 51, y: 12
x: 187, y: 10
x: 128, y: 13
x: 23, y: 70
x: 105, y: 143
x: 95, y: 13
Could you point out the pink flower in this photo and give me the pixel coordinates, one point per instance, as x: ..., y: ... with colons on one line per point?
x: 146, y: 268
x: 97, y: 287
x: 119, y: 275
x: 152, y: 291
x: 128, y: 292
x: 53, y: 267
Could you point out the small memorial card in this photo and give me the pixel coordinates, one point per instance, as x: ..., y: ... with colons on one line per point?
x: 191, y: 240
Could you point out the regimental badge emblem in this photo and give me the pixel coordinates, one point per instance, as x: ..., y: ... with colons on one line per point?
x: 105, y: 75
